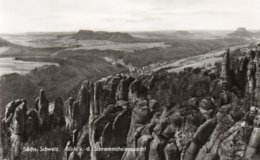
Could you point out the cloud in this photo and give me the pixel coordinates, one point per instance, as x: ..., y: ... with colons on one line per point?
x: 58, y: 15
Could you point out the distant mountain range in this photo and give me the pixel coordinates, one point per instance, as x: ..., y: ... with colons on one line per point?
x: 244, y: 33
x: 101, y: 35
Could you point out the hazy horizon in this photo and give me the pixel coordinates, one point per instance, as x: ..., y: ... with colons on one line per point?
x: 127, y: 15
x: 144, y: 31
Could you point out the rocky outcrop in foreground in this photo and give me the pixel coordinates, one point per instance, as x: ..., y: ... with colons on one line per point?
x: 197, y: 114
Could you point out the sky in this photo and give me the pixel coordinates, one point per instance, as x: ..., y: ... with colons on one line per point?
x: 127, y: 15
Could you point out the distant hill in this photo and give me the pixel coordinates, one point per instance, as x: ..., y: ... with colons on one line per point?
x: 182, y: 33
x: 100, y: 35
x: 244, y: 33
x: 4, y: 43
x: 12, y: 49
x: 241, y: 33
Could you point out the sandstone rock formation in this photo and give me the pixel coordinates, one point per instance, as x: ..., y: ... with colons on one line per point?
x: 225, y: 76
x: 56, y: 117
x: 42, y: 106
x: 21, y: 124
x: 32, y: 124
x: 197, y: 114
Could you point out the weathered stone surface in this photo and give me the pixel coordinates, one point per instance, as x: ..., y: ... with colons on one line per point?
x: 121, y: 127
x: 111, y: 88
x: 18, y: 130
x: 108, y: 132
x: 84, y: 102
x: 143, y: 142
x: 225, y: 76
x: 235, y: 142
x: 191, y: 120
x: 207, y: 107
x: 253, y: 143
x: 56, y: 118
x: 10, y: 107
x: 42, y: 106
x: 19, y: 119
x: 9, y: 112
x: 200, y: 138
x: 123, y: 88
x: 157, y: 146
x: 226, y: 140
x: 68, y: 113
x: 99, y: 96
x: 197, y: 114
x: 141, y: 112
x: 32, y: 124
x: 75, y: 114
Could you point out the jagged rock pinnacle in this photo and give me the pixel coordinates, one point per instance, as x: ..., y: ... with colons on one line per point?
x: 225, y: 66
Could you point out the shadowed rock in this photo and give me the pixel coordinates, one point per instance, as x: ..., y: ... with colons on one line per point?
x: 68, y: 113
x: 221, y: 142
x: 56, y: 117
x: 251, y: 81
x: 207, y: 107
x: 84, y: 102
x: 111, y: 88
x: 254, y: 140
x: 225, y: 76
x: 123, y: 88
x: 143, y: 142
x: 43, y: 111
x: 18, y: 130
x: 19, y: 119
x: 157, y: 146
x: 76, y: 119
x: 171, y: 151
x: 9, y: 111
x: 99, y: 96
x: 32, y: 124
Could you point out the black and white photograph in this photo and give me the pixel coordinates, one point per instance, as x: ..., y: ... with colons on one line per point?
x: 129, y: 80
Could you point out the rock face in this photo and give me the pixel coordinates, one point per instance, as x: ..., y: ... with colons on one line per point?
x: 18, y: 130
x: 32, y: 124
x: 84, y: 101
x: 197, y: 114
x: 21, y: 124
x: 109, y: 121
x: 42, y: 105
x: 225, y: 71
x: 257, y: 90
x: 56, y: 117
